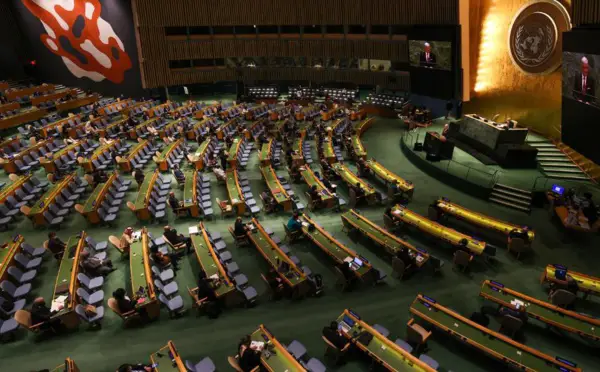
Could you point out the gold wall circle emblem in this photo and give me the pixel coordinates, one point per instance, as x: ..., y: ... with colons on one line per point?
x: 535, y: 36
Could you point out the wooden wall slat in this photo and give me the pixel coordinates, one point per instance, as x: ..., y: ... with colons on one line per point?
x: 585, y: 12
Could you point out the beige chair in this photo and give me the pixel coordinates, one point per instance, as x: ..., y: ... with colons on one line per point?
x: 131, y: 206
x: 51, y: 178
x: 225, y: 207
x: 176, y: 247
x: 562, y: 298
x: 241, y: 240
x: 116, y: 242
x: 198, y: 303
x: 416, y: 334
x: 79, y: 208
x: 80, y: 160
x: 57, y: 256
x: 389, y: 223
x: 23, y: 317
x: 128, y: 317
x: 462, y: 259
x: 233, y: 362
x: 13, y: 177
x: 292, y: 236
x: 353, y: 199
x: 90, y: 179
x: 26, y: 210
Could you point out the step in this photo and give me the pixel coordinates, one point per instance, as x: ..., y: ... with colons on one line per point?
x: 510, y: 205
x: 546, y: 164
x: 566, y: 176
x: 549, y: 150
x: 562, y: 170
x: 507, y: 194
x: 510, y: 198
x: 541, y: 144
x: 561, y: 159
x: 513, y: 189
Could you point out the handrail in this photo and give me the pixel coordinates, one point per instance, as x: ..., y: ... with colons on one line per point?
x: 492, y: 177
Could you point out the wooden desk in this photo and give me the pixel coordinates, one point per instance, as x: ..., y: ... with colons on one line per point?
x: 7, y: 255
x: 141, y: 276
x: 87, y: 163
x: 358, y: 115
x: 233, y: 151
x: 48, y: 163
x: 264, y: 156
x: 327, y: 198
x: 11, y: 106
x: 587, y: 284
x: 279, y: 361
x: 352, y: 180
x: 391, y: 243
x: 207, y: 111
x: 210, y: 263
x: 296, y: 280
x: 77, y: 102
x: 206, y: 122
x: 197, y: 158
x: 133, y: 133
x: 232, y: 112
x: 298, y: 147
x: 480, y: 220
x: 338, y: 251
x: 279, y: 113
x: 90, y: 208
x: 125, y: 161
x: 436, y: 230
x: 66, y: 281
x: 359, y: 149
x: 406, y: 187
x: 380, y: 348
x: 236, y: 196
x: 362, y: 126
x: 161, y: 160
x: 562, y: 212
x: 36, y: 214
x: 190, y: 201
x: 164, y: 132
x: 580, y: 324
x: 159, y: 109
x: 108, y: 130
x: 31, y: 114
x: 11, y: 95
x: 50, y: 128
x: 129, y: 111
x: 172, y: 362
x: 11, y: 188
x: 485, y: 340
x: 143, y: 197
x: 68, y: 366
x: 115, y: 106
x: 279, y: 194
x: 328, y: 151
x: 220, y: 130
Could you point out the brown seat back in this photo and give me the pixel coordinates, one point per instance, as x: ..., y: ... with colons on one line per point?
x: 23, y: 317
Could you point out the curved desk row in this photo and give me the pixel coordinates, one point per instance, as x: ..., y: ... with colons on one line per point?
x: 446, y: 207
x: 352, y: 181
x: 111, y: 129
x: 201, y: 127
x: 11, y: 166
x: 380, y: 348
x: 143, y: 198
x: 172, y: 128
x: 76, y: 102
x: 257, y: 112
x: 279, y: 358
x: 23, y: 117
x: 227, y: 127
x: 68, y: 366
x: 484, y: 339
x: 307, y: 112
x: 391, y: 180
x: 280, y: 112
x: 570, y: 321
x: 131, y: 160
x: 12, y: 187
x: 236, y: 196
x: 207, y: 111
x: 36, y: 213
x: 232, y: 112
x: 64, y: 295
x: 142, y: 283
x: 53, y: 127
x: 234, y: 149
x: 170, y: 155
x: 141, y: 130
x: 559, y: 275
x: 94, y: 201
x: 116, y: 107
x: 100, y: 156
x: 174, y: 364
x: 12, y: 94
x: 49, y: 162
x: 265, y: 153
x: 341, y: 254
x: 292, y: 276
x: 434, y: 229
x: 7, y: 255
x: 391, y: 243
x: 158, y: 110
x: 138, y: 108
x: 328, y: 200
x: 275, y: 188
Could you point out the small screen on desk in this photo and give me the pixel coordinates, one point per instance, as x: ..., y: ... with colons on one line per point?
x: 558, y: 189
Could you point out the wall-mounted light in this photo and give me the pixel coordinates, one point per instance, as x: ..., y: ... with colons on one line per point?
x: 488, y: 47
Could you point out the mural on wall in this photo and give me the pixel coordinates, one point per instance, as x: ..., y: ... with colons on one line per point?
x: 87, y: 43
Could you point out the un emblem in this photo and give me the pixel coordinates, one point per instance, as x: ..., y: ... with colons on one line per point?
x: 535, y: 36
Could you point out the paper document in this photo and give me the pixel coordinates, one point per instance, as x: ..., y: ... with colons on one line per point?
x: 193, y: 230
x: 348, y: 259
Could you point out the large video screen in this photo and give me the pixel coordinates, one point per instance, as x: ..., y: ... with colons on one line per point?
x: 581, y: 102
x: 580, y: 74
x: 430, y: 54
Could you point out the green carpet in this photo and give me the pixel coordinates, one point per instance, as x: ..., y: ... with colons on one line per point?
x: 106, y: 349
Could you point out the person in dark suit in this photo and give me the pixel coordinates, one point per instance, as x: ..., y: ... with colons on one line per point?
x: 174, y: 238
x: 333, y: 335
x: 426, y: 57
x: 584, y: 87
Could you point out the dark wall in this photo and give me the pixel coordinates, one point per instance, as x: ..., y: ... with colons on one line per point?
x: 119, y: 76
x: 12, y: 50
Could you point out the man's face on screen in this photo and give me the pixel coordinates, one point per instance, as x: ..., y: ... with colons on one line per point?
x: 585, y: 68
x: 427, y: 48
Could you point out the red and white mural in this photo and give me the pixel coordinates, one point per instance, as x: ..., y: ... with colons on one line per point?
x: 91, y: 49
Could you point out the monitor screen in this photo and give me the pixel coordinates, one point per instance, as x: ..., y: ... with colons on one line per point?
x: 348, y: 320
x: 358, y: 261
x: 558, y: 189
x: 430, y: 54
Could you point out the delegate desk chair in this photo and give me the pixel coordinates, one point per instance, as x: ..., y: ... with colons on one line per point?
x: 240, y: 240
x: 510, y: 325
x: 332, y: 351
x: 462, y: 259
x: 518, y: 246
x: 225, y: 207
x: 116, y: 242
x: 562, y: 298
x: 416, y: 334
x: 175, y: 247
x: 292, y: 236
x: 398, y: 267
x: 389, y: 223
x: 128, y: 317
x: 23, y: 317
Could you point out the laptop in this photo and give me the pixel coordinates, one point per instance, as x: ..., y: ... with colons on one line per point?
x: 558, y: 190
x: 346, y: 324
x: 356, y: 264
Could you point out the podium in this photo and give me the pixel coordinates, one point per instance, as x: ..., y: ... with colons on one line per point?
x: 436, y: 144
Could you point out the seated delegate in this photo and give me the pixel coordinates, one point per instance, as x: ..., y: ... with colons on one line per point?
x: 174, y: 238
x: 333, y: 335
x: 294, y: 223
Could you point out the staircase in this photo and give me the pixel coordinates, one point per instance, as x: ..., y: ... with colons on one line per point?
x: 554, y: 163
x: 511, y: 197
